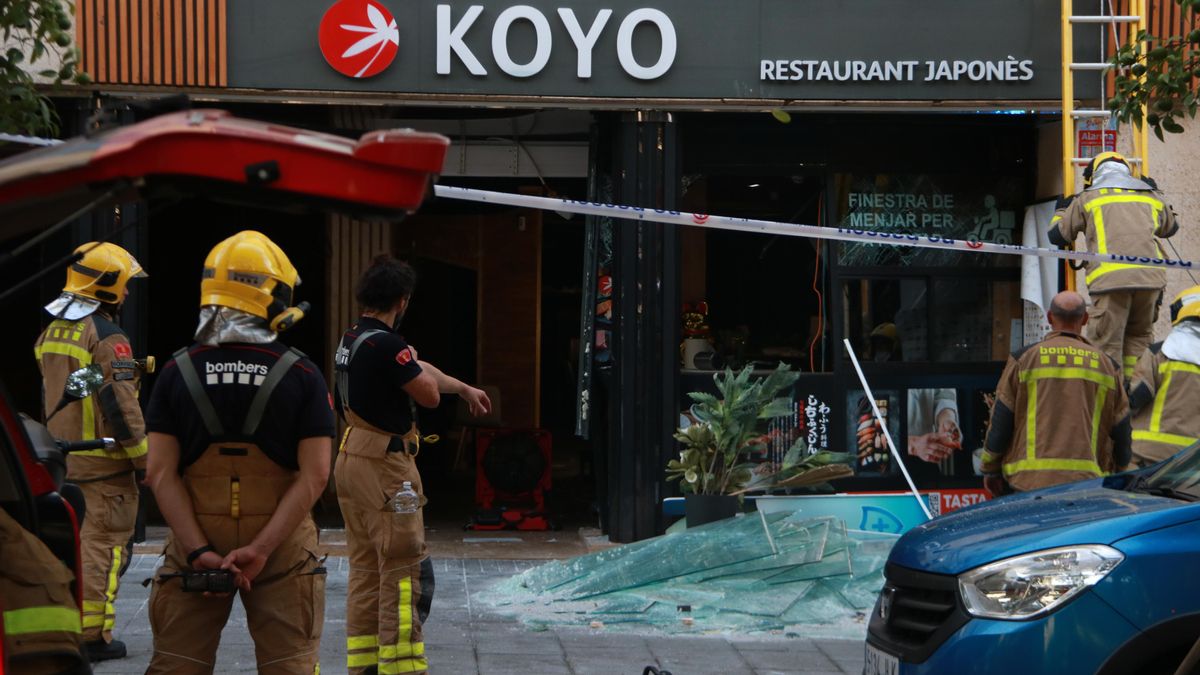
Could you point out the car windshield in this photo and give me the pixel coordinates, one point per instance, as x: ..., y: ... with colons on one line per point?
x: 1180, y: 474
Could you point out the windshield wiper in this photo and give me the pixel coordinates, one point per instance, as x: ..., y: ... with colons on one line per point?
x: 1142, y: 485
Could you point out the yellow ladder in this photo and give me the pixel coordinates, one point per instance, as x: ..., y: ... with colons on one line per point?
x: 1131, y: 25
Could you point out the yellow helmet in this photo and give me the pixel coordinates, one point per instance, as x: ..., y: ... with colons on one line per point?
x: 102, y: 273
x: 885, y: 330
x: 248, y: 272
x: 1099, y: 159
x: 1186, y: 305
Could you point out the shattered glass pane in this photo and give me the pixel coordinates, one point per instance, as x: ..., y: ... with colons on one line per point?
x: 774, y: 572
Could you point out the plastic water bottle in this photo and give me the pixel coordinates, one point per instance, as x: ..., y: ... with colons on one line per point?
x: 406, y: 500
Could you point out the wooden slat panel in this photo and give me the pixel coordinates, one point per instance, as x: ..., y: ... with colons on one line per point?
x: 210, y: 48
x: 112, y: 37
x: 135, y: 41
x: 176, y: 42
x: 123, y: 20
x: 100, y: 72
x: 82, y: 40
x: 222, y: 45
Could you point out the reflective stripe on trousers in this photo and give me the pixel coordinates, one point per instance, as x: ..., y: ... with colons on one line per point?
x: 404, y: 656
x: 1031, y: 378
x: 103, y: 615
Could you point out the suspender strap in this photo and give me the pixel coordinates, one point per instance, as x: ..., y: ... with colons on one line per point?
x: 343, y: 372
x: 274, y: 376
x: 204, y: 406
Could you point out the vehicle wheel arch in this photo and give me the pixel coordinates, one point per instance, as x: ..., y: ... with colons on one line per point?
x: 1177, y: 633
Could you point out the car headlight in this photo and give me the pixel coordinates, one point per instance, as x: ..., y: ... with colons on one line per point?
x: 1036, y: 583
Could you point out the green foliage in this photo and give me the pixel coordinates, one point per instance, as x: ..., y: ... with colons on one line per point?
x: 36, y: 33
x: 728, y: 428
x: 1159, y: 73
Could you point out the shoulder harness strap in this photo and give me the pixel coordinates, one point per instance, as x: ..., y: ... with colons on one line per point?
x: 343, y: 372
x: 204, y: 406
x: 274, y: 376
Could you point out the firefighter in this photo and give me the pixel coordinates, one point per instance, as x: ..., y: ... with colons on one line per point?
x: 378, y: 379
x: 1166, y: 386
x: 241, y: 432
x: 41, y: 618
x: 1061, y: 412
x: 1118, y: 214
x: 84, y: 332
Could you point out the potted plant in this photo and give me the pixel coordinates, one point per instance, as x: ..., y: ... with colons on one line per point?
x: 712, y: 467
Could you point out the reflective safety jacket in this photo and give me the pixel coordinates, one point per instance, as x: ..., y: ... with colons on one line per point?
x: 113, y: 411
x: 1163, y: 397
x: 1121, y: 221
x: 1061, y: 415
x: 41, y: 619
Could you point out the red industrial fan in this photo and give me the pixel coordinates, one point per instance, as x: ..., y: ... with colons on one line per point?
x: 512, y: 477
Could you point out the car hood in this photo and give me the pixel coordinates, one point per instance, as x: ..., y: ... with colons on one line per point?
x: 1081, y: 513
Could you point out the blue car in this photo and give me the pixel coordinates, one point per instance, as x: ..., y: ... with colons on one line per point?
x: 1099, y: 576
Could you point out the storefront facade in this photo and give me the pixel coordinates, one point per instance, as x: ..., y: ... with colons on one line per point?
x: 927, y: 117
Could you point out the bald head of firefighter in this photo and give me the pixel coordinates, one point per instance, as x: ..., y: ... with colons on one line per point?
x: 240, y: 438
x: 83, y: 332
x: 1061, y: 412
x: 380, y: 382
x: 1166, y: 385
x: 1120, y: 214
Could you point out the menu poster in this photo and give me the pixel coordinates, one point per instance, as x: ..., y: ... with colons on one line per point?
x: 865, y: 437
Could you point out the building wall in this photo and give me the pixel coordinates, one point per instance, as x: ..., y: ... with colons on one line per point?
x: 1175, y: 164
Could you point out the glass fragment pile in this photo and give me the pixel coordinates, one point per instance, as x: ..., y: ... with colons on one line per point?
x: 756, y: 573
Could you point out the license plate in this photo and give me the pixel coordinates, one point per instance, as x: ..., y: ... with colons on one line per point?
x: 879, y: 662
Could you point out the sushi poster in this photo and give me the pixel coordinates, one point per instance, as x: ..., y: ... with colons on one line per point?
x: 866, y: 440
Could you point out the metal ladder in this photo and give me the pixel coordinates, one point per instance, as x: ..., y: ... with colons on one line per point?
x: 1131, y: 25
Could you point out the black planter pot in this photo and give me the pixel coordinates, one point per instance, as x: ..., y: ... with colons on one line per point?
x: 701, y: 509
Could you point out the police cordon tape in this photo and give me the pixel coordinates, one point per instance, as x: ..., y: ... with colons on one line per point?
x: 790, y: 229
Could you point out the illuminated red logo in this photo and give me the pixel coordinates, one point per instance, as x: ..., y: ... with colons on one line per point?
x: 121, y: 350
x: 359, y: 38
x: 699, y: 218
x: 404, y: 357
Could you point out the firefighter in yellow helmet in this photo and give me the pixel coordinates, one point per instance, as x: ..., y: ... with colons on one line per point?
x: 1166, y: 386
x: 83, y: 332
x: 1118, y: 213
x: 241, y: 431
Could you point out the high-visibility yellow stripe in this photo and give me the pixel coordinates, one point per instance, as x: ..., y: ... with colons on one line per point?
x: 404, y: 629
x: 362, y: 642
x: 1163, y: 437
x: 1031, y: 419
x: 401, y: 650
x: 136, y: 451
x: 110, y: 591
x: 1178, y: 367
x: 404, y: 666
x: 91, y: 606
x: 1160, y: 401
x: 83, y: 356
x: 1055, y: 373
x: 317, y: 668
x: 1084, y: 465
x: 45, y: 619
x: 93, y: 621
x: 361, y: 659
x: 1126, y: 198
x: 1101, y: 235
x: 1097, y: 411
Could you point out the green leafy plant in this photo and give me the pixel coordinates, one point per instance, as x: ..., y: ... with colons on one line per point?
x: 728, y: 429
x: 1159, y: 73
x: 37, y: 44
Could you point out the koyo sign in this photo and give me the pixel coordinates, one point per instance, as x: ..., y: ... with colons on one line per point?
x: 360, y: 38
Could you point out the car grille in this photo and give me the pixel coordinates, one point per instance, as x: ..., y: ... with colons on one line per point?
x: 916, y: 613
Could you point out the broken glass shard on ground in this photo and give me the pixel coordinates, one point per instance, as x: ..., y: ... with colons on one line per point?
x: 757, y: 572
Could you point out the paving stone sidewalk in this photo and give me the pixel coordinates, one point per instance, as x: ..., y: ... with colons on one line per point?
x: 463, y: 638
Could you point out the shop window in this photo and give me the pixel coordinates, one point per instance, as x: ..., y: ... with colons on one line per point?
x: 980, y: 208
x: 931, y: 319
x: 886, y: 319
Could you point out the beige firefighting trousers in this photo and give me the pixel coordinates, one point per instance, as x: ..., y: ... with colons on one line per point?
x: 112, y: 503
x: 1121, y: 324
x: 386, y: 596
x: 234, y: 496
